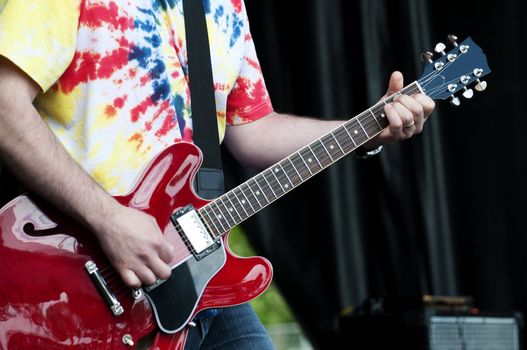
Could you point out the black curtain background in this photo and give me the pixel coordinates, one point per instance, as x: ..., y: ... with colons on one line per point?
x: 442, y: 213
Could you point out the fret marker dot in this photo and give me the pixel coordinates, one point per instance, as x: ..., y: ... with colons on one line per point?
x: 243, y: 201
x: 355, y: 132
x: 231, y: 209
x: 286, y: 186
x: 219, y: 216
x: 275, y: 170
x: 257, y: 193
x: 331, y: 147
x: 310, y: 160
x: 383, y: 115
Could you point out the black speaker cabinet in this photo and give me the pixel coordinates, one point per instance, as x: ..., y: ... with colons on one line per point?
x: 431, y: 328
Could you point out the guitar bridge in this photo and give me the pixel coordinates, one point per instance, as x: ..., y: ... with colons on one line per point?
x: 192, y: 230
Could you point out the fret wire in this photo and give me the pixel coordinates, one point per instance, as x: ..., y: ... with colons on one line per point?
x: 228, y: 211
x: 294, y: 168
x: 317, y: 166
x: 216, y: 227
x: 325, y: 149
x: 374, y: 117
x: 301, y: 165
x: 254, y: 195
x: 200, y: 215
x: 215, y: 218
x: 313, y: 153
x: 338, y: 144
x: 290, y: 172
x: 369, y: 125
x: 218, y: 216
x: 287, y: 176
x: 303, y: 160
x: 357, y: 133
x: 234, y: 207
x: 246, y: 198
x: 277, y: 180
x: 273, y: 182
x: 261, y: 189
x: 351, y: 137
x: 241, y: 203
x: 209, y: 220
x: 345, y: 145
x: 333, y: 151
x: 358, y: 121
x: 268, y: 186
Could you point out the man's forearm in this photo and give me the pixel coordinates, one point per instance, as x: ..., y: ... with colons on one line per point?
x: 274, y: 137
x: 37, y: 158
x: 131, y: 239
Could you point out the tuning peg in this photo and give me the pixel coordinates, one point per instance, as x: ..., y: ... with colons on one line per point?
x: 481, y: 85
x: 467, y: 93
x: 440, y: 48
x: 427, y: 57
x: 454, y: 101
x: 452, y: 39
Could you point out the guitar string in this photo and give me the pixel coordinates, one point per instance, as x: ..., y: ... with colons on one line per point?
x: 318, y: 145
x: 370, y: 124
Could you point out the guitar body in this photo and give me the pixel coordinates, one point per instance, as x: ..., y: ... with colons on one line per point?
x: 48, y: 300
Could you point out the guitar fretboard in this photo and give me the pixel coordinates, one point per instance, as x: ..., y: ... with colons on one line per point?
x: 240, y: 203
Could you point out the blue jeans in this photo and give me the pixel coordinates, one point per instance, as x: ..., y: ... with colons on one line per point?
x: 236, y: 328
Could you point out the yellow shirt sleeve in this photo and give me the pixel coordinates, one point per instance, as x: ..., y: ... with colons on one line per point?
x: 39, y: 36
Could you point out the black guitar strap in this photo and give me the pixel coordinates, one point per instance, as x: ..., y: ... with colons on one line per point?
x: 209, y: 180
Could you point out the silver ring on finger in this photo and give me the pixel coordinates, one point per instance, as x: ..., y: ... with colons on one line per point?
x: 409, y: 125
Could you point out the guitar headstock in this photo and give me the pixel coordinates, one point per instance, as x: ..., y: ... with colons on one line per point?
x: 454, y: 71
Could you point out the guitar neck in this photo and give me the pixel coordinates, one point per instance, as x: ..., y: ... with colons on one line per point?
x: 242, y: 202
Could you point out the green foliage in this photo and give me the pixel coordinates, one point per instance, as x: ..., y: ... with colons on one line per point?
x: 270, y: 306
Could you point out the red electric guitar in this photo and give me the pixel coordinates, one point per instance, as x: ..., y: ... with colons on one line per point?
x: 58, y: 291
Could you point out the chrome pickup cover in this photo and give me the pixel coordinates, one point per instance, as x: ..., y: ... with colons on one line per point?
x: 193, y: 230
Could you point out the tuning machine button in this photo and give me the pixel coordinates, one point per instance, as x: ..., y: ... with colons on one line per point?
x: 467, y: 93
x: 481, y: 85
x: 427, y: 57
x: 440, y: 48
x: 455, y: 101
x: 452, y: 39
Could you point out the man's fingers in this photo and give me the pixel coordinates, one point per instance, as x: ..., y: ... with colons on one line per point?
x: 146, y: 275
x: 130, y: 279
x: 427, y: 103
x: 160, y: 269
x: 413, y: 112
x: 395, y: 84
x: 166, y: 253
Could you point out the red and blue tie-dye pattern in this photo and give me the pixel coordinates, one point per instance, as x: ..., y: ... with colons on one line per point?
x: 125, y: 95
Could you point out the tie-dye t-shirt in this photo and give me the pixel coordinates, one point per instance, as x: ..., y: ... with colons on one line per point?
x: 114, y: 75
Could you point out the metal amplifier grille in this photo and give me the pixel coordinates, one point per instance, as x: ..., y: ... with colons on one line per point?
x: 473, y: 333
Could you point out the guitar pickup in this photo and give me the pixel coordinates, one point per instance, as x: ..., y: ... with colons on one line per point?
x: 194, y: 233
